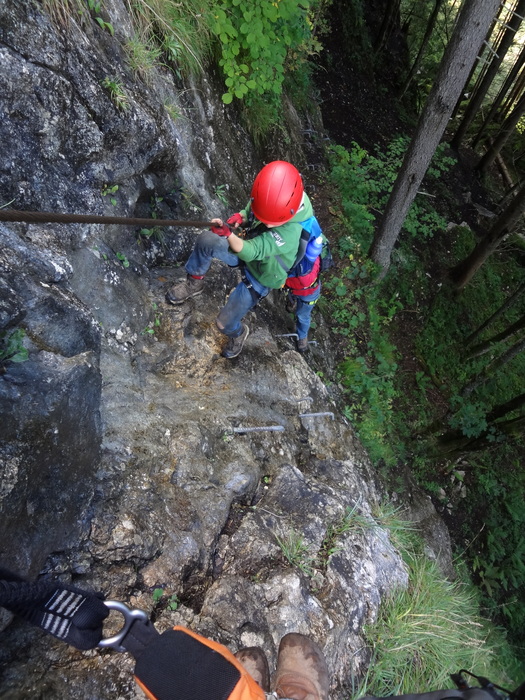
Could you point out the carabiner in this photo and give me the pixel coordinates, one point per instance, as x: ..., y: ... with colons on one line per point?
x: 130, y: 617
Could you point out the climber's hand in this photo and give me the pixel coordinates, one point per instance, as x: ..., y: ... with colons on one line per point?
x: 220, y: 228
x: 235, y: 220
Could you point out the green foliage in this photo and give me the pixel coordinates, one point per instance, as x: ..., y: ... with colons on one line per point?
x: 95, y: 7
x: 12, y: 347
x: 181, y: 30
x: 393, y: 411
x: 155, y: 324
x: 108, y: 191
x: 364, y: 183
x: 220, y: 193
x: 415, y: 24
x: 498, y: 560
x: 123, y: 259
x: 143, y: 56
x: 426, y: 632
x: 257, y: 37
x: 295, y: 551
x: 171, y: 603
x: 468, y: 416
x: 116, y: 91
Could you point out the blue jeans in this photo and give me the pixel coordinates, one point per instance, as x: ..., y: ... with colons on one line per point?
x: 209, y: 246
x: 304, y: 311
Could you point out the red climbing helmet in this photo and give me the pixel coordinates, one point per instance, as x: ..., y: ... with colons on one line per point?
x: 277, y: 193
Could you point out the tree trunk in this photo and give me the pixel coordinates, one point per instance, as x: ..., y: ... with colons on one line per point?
x: 507, y: 407
x: 426, y: 37
x: 453, y: 441
x: 484, y: 347
x: 513, y: 96
x: 465, y: 270
x: 506, y: 130
x: 493, y: 367
x: 386, y: 26
x: 497, y: 314
x: 481, y: 59
x: 518, y: 64
x: 479, y: 95
x: 460, y: 54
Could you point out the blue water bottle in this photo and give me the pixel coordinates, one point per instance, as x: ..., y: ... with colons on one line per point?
x: 314, y: 248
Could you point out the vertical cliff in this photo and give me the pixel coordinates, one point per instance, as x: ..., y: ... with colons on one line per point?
x: 120, y: 470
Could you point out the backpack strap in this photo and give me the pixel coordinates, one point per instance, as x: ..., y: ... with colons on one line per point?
x: 303, y: 242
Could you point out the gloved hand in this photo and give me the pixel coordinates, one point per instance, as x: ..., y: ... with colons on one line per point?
x: 221, y: 230
x: 235, y: 220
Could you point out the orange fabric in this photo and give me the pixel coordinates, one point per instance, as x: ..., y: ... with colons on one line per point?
x: 246, y: 688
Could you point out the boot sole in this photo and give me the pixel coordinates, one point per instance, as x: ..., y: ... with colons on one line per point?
x: 176, y: 302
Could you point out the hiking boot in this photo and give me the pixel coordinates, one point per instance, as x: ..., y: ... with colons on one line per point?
x: 184, y: 290
x: 302, y: 673
x: 302, y: 345
x: 235, y: 345
x: 255, y: 662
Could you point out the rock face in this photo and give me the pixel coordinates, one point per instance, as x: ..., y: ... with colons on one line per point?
x: 120, y: 469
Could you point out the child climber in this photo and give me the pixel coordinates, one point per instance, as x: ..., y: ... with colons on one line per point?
x: 274, y: 216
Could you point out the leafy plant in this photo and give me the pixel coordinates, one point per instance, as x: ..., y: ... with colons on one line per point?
x: 116, y: 91
x: 109, y: 190
x: 256, y: 38
x: 95, y: 7
x: 157, y: 594
x: 469, y: 417
x: 123, y: 259
x: 12, y: 347
x: 172, y: 603
x: 155, y: 323
x: 220, y: 193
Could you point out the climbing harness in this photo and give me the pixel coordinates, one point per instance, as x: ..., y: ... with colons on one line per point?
x: 43, y: 217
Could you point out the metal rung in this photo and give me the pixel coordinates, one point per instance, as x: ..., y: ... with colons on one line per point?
x: 489, y: 47
x: 507, y: 26
x: 294, y: 335
x: 316, y: 415
x: 512, y: 11
x: 273, y: 428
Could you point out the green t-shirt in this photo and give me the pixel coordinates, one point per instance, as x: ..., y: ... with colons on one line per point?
x: 259, y: 253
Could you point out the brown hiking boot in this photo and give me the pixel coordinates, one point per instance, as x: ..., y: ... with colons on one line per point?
x: 235, y: 345
x: 302, y: 673
x: 255, y: 662
x: 184, y: 290
x: 302, y: 345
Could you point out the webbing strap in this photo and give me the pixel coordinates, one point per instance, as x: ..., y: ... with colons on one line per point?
x: 63, y: 611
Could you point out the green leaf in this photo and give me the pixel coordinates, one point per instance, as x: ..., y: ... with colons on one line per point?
x: 227, y: 98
